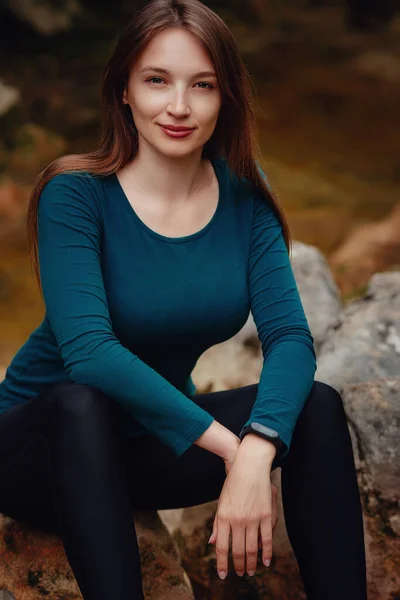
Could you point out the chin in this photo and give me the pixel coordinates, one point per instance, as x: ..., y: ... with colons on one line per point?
x: 182, y: 151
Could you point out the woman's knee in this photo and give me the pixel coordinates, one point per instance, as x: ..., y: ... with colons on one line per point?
x: 70, y: 399
x: 324, y: 404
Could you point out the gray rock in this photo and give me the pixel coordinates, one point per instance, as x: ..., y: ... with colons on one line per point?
x: 364, y: 344
x: 373, y: 409
x: 318, y: 291
x: 6, y: 595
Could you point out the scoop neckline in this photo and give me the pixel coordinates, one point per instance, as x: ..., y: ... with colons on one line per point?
x: 180, y: 239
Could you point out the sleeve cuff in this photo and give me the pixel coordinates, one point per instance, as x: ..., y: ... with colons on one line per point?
x: 191, y: 436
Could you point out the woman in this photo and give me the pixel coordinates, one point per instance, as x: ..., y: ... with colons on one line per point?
x: 151, y: 249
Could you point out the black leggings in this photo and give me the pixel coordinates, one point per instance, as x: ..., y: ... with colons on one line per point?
x: 66, y: 468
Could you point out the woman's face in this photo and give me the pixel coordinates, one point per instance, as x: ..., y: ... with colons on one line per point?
x: 173, y: 83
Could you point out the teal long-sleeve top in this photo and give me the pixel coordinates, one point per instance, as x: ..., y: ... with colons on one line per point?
x: 130, y: 311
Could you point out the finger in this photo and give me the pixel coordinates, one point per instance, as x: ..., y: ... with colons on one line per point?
x: 266, y: 538
x: 238, y: 548
x: 251, y: 548
x: 213, y: 536
x: 222, y: 547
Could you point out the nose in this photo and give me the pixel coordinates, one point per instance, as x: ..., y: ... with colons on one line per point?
x: 178, y: 105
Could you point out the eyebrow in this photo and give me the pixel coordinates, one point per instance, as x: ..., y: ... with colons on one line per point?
x: 165, y: 72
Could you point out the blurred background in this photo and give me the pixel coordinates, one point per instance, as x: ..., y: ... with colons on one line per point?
x: 327, y: 75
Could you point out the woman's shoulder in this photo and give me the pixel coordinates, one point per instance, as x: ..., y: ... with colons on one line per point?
x: 74, y: 180
x: 77, y: 189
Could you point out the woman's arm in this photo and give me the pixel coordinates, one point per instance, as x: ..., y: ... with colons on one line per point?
x: 289, y: 363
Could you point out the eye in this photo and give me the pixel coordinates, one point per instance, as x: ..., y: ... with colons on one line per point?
x: 205, y: 83
x: 151, y: 78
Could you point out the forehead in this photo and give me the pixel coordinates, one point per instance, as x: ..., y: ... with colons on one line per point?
x: 169, y: 47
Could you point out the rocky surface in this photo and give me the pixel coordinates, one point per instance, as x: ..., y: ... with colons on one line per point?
x: 33, y: 563
x: 373, y: 411
x: 318, y: 290
x: 364, y: 344
x: 319, y: 294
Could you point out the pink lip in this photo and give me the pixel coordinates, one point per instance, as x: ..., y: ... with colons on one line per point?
x: 180, y: 134
x: 174, y: 128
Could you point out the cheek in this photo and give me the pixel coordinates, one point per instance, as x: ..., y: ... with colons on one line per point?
x: 146, y: 106
x: 207, y: 112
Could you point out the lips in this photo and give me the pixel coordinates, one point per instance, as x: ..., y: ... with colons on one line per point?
x: 174, y: 128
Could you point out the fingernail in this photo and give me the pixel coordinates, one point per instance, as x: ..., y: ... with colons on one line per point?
x: 222, y: 574
x: 251, y: 573
x: 209, y: 539
x: 267, y: 562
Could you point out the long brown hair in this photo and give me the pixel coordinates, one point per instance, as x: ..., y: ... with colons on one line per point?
x: 234, y: 136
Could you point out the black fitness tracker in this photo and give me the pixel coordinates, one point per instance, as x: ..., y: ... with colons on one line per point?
x: 267, y: 433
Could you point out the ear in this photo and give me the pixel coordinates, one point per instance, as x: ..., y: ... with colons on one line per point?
x: 125, y: 92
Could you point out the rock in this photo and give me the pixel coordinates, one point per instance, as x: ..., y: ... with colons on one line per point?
x: 6, y: 595
x: 163, y: 574
x: 365, y: 342
x: 41, y: 568
x: 191, y: 528
x: 373, y: 410
x: 361, y: 358
x: 228, y: 365
x: 317, y: 288
x: 38, y: 561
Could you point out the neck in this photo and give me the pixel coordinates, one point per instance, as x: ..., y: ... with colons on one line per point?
x: 174, y: 180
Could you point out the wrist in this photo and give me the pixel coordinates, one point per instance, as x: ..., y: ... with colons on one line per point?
x: 263, y: 446
x: 219, y: 440
x: 231, y: 447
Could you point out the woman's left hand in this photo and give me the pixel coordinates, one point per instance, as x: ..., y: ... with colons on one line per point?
x: 247, y: 506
